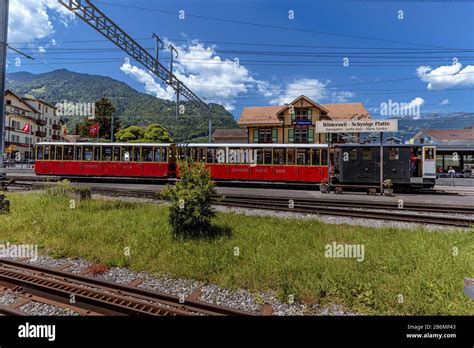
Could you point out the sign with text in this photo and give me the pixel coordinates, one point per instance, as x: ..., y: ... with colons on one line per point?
x: 351, y: 126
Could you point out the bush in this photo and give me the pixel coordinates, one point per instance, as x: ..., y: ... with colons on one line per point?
x: 191, y: 200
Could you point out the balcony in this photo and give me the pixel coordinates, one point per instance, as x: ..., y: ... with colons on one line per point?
x: 40, y: 134
x: 56, y: 126
x: 41, y: 122
x: 56, y: 137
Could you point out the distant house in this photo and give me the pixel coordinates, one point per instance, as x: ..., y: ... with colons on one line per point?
x: 230, y: 136
x: 444, y: 137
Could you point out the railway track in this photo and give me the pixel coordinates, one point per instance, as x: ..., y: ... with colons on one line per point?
x: 449, y: 215
x: 92, y: 296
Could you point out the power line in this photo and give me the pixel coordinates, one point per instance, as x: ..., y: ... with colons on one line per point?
x: 270, y: 26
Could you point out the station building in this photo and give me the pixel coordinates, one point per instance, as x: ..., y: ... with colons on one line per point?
x: 454, y: 148
x: 293, y: 123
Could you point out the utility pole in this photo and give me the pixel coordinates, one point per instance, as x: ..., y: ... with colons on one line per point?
x: 157, y: 49
x: 112, y: 130
x: 210, y: 124
x: 172, y: 49
x: 3, y: 63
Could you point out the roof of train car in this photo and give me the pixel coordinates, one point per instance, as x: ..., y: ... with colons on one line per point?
x: 190, y: 145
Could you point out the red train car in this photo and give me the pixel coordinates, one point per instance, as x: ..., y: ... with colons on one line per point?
x: 103, y: 159
x: 306, y: 163
x: 260, y: 162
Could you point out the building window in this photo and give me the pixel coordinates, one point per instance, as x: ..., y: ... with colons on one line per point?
x: 264, y: 135
x: 49, y: 131
x: 9, y: 102
x: 301, y: 135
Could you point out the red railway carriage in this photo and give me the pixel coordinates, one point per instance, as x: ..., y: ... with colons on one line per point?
x: 103, y: 159
x: 240, y: 162
x: 260, y: 162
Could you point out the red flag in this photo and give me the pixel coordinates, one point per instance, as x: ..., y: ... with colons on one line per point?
x: 26, y: 128
x: 94, y: 129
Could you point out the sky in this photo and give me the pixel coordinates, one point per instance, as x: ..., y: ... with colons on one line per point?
x: 260, y: 52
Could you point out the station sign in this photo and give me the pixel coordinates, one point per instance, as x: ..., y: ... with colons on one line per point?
x: 352, y: 126
x: 302, y: 122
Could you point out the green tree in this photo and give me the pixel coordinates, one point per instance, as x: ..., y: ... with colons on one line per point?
x: 130, y: 134
x: 104, y: 111
x: 191, y: 209
x: 154, y: 133
x: 157, y: 133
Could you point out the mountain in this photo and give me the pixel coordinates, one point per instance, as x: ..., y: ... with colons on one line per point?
x: 133, y: 107
x: 409, y: 126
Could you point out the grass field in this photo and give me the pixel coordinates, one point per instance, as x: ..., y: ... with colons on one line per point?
x: 284, y: 255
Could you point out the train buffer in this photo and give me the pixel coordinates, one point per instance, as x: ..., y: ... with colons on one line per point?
x: 370, y: 189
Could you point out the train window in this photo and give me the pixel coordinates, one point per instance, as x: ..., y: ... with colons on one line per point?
x: 353, y: 154
x: 267, y: 156
x: 78, y: 153
x: 52, y: 152
x: 59, y: 153
x: 136, y: 154
x: 246, y: 156
x: 429, y: 153
x: 147, y: 154
x: 258, y: 156
x: 126, y: 154
x: 211, y: 155
x: 220, y: 155
x: 40, y: 153
x: 367, y: 154
x: 164, y: 154
x: 107, y: 153
x: 182, y: 154
x: 324, y: 157
x: 290, y: 155
x: 393, y: 153
x: 315, y: 157
x: 157, y: 155
x: 279, y: 156
x: 202, y: 154
x: 68, y: 153
x: 97, y: 150
x: 46, y: 152
x: 116, y: 154
x: 235, y: 156
x: 87, y: 154
x: 302, y: 157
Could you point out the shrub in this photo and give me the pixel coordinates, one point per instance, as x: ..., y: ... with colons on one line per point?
x: 191, y: 200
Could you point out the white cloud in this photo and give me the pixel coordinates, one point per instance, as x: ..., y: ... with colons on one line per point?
x: 444, y: 102
x: 222, y: 80
x: 315, y: 89
x: 312, y: 88
x: 151, y: 86
x: 205, y: 73
x: 412, y: 108
x: 446, y: 76
x: 30, y: 20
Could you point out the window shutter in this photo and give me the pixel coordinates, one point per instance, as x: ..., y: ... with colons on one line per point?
x: 310, y: 135
x: 275, y: 135
x: 310, y: 114
x: 293, y: 115
x: 291, y: 135
x: 255, y: 135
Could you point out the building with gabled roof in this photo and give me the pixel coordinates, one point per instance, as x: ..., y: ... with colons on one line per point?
x: 294, y: 122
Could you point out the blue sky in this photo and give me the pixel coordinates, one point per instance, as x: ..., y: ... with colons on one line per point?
x: 279, y: 58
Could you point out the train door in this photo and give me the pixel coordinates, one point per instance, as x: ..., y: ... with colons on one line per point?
x: 429, y: 162
x: 172, y: 155
x: 415, y: 160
